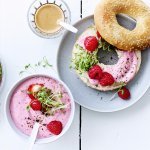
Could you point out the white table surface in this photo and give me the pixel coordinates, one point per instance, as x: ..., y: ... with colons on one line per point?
x: 124, y: 130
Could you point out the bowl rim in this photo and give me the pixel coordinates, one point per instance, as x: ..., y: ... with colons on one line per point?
x: 13, y: 126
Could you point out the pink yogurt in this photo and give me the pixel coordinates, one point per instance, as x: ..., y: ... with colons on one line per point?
x: 24, y: 120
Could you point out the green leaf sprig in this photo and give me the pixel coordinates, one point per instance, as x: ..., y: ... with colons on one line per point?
x: 105, y: 45
x: 42, y: 63
x: 50, y: 101
x: 83, y: 60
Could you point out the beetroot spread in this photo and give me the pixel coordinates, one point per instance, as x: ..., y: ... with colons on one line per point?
x: 126, y: 67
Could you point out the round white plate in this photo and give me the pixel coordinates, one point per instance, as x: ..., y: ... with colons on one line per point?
x: 88, y: 97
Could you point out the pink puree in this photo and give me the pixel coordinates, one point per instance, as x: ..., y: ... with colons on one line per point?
x: 124, y: 70
x: 24, y: 120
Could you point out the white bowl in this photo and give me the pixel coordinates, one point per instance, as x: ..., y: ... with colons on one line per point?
x: 17, y: 131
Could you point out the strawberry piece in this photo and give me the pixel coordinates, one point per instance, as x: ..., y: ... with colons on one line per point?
x: 107, y: 79
x: 34, y: 88
x: 95, y: 72
x: 98, y: 35
x: 124, y: 93
x: 35, y: 105
x: 91, y: 43
x: 55, y: 127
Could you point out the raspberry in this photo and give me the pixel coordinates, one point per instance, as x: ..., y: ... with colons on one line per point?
x: 98, y: 35
x: 35, y: 105
x: 55, y: 127
x: 33, y: 88
x: 91, y: 43
x: 124, y: 93
x: 95, y: 72
x: 107, y: 79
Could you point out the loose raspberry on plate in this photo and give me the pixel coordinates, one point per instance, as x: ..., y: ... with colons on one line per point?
x: 34, y: 88
x: 124, y: 93
x: 95, y: 72
x: 91, y: 43
x: 98, y: 35
x: 107, y: 79
x: 55, y: 127
x: 35, y: 105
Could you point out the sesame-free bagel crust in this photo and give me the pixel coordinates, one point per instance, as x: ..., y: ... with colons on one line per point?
x: 106, y: 23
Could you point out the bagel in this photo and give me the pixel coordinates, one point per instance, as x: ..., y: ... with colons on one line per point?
x: 118, y: 70
x: 122, y: 38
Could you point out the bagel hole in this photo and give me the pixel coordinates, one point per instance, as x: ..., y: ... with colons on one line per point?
x: 126, y: 21
x: 107, y: 57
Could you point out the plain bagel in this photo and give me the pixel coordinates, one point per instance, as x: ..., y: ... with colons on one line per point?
x: 106, y: 23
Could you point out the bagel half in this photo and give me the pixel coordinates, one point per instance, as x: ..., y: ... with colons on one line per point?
x: 122, y: 38
x: 91, y: 31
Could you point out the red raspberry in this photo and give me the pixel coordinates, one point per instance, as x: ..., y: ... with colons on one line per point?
x: 95, y: 72
x: 98, y: 35
x: 107, y: 79
x: 91, y: 43
x: 124, y: 93
x: 31, y: 89
x: 35, y: 105
x: 55, y: 127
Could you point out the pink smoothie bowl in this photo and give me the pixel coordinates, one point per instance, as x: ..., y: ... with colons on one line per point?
x: 13, y: 126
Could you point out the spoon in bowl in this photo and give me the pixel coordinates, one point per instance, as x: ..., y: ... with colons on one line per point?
x: 33, y: 135
x: 67, y: 26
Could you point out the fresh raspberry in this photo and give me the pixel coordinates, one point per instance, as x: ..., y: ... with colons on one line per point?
x: 124, y: 93
x: 55, y: 127
x: 33, y: 88
x: 107, y: 79
x: 98, y: 35
x: 95, y: 72
x: 91, y: 43
x: 35, y: 105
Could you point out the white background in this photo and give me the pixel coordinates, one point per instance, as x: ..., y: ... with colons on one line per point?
x: 125, y: 130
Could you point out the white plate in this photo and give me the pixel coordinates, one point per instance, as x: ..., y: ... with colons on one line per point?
x: 88, y: 97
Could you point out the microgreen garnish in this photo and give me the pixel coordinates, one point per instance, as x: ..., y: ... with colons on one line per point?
x: 50, y: 101
x: 28, y: 107
x: 0, y: 72
x: 105, y: 45
x: 83, y: 60
x: 42, y: 63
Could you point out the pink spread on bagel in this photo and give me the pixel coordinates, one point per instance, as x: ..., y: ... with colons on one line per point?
x: 124, y: 70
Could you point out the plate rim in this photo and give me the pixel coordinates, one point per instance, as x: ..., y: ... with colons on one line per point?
x: 78, y: 102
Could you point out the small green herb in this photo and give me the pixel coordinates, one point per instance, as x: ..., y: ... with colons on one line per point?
x: 84, y: 60
x: 43, y: 63
x: 50, y: 101
x: 105, y: 45
x: 28, y: 108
